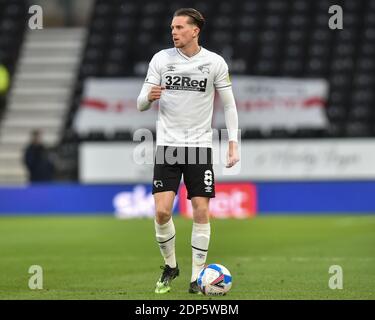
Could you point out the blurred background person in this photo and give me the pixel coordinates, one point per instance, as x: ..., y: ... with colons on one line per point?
x: 36, y: 159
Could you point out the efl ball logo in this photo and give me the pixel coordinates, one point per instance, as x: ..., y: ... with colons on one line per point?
x: 215, y: 280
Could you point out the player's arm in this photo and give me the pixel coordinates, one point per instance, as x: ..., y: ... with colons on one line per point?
x: 148, y: 95
x: 151, y: 90
x: 231, y: 122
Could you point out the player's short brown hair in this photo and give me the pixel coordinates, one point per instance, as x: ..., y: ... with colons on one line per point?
x: 195, y: 16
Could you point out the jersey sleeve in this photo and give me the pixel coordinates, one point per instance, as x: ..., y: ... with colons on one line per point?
x: 222, y: 79
x: 153, y: 74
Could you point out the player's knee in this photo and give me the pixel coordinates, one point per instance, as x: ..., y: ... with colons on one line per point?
x: 201, y: 214
x: 162, y: 216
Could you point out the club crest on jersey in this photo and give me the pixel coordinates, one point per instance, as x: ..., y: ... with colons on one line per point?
x: 158, y: 183
x: 204, y: 68
x: 185, y: 83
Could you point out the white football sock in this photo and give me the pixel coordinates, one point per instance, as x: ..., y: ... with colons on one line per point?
x: 165, y: 236
x: 200, y: 239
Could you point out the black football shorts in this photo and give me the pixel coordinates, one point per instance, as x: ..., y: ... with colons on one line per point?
x: 193, y: 163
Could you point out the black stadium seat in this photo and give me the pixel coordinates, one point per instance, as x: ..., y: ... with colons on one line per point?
x: 263, y: 37
x: 123, y: 136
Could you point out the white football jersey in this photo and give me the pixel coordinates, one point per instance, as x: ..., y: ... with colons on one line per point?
x: 186, y: 104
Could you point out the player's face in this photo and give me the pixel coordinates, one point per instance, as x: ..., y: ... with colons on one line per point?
x: 183, y: 32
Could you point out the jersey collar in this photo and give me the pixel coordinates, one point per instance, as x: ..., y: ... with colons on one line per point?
x: 189, y: 58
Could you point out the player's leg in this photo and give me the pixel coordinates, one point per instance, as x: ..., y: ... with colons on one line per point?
x: 164, y: 226
x: 199, y: 180
x: 165, y: 236
x: 200, y: 238
x: 165, y: 186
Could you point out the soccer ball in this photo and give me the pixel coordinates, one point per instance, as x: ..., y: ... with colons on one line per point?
x: 215, y: 280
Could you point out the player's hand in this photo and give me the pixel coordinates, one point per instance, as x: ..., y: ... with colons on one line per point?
x: 155, y: 93
x: 232, y: 154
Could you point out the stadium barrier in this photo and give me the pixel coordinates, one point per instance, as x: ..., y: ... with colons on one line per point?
x: 261, y: 160
x: 233, y: 200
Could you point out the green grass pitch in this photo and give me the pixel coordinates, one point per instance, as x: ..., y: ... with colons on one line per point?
x: 270, y: 257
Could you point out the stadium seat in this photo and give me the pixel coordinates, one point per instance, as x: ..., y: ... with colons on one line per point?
x: 364, y: 79
x: 94, y: 136
x: 344, y: 51
x: 292, y: 68
x: 251, y: 7
x: 336, y: 112
x: 277, y: 7
x: 335, y: 130
x: 295, y: 51
x: 358, y: 129
x: 308, y: 133
x: 369, y: 17
x: 298, y: 21
x: 261, y: 38
x: 251, y: 134
x: 279, y: 133
x: 317, y: 67
x: 123, y: 136
x: 352, y: 6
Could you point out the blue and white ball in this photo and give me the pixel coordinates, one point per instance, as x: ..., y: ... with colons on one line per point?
x: 215, y: 280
